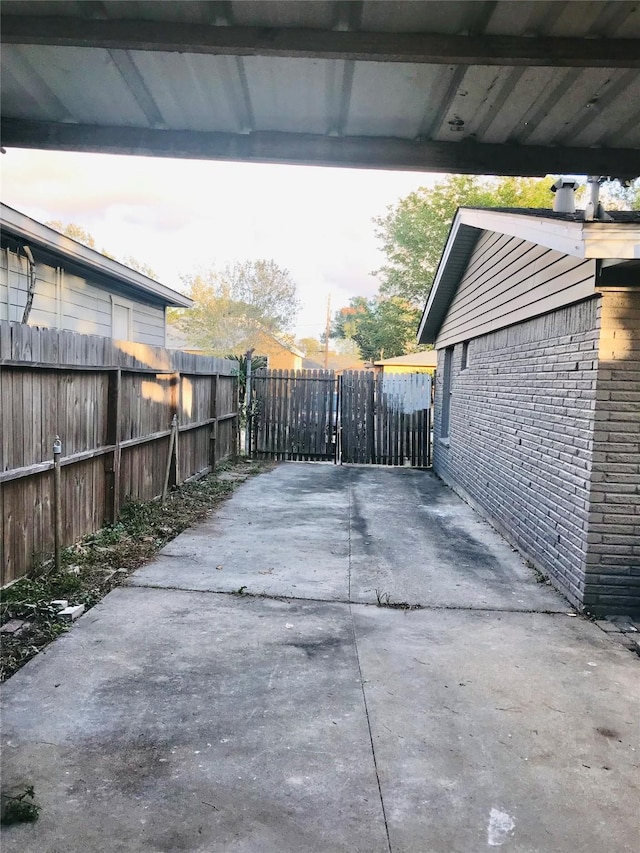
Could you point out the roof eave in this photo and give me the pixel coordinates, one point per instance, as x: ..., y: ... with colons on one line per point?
x: 35, y: 233
x: 589, y: 240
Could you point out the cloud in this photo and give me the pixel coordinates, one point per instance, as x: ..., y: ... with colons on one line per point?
x: 178, y: 215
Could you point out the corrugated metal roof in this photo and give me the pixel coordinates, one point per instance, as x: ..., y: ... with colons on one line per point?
x: 485, y: 87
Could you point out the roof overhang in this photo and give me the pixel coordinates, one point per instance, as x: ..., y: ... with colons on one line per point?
x: 580, y: 239
x: 49, y: 245
x: 481, y: 88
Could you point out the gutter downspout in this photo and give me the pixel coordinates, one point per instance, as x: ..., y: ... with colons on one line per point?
x: 32, y: 283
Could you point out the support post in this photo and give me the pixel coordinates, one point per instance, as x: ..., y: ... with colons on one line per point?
x: 57, y: 503
x: 213, y: 438
x: 173, y: 438
x: 247, y: 405
x: 113, y: 438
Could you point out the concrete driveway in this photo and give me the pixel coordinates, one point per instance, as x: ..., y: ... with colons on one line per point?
x: 181, y: 715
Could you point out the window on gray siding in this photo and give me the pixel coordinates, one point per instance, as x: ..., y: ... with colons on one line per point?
x: 465, y: 356
x: 446, y: 393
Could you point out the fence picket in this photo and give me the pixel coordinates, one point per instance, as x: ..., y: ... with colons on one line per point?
x: 59, y: 383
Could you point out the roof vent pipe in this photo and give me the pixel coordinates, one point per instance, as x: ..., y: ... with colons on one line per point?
x: 565, y: 200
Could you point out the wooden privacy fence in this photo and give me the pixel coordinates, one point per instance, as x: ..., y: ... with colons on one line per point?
x: 385, y: 419
x: 293, y: 414
x: 359, y: 417
x: 112, y: 404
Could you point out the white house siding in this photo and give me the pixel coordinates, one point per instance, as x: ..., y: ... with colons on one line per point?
x: 149, y: 324
x: 66, y: 301
x: 520, y: 438
x: 509, y: 280
x: 613, y: 555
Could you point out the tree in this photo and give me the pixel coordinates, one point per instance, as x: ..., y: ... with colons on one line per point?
x: 73, y: 230
x: 311, y: 347
x: 414, y: 231
x: 140, y: 266
x: 81, y: 235
x: 381, y: 328
x: 233, y: 308
x: 615, y: 196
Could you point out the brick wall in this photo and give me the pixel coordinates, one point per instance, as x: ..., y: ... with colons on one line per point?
x: 613, y: 553
x: 520, y: 441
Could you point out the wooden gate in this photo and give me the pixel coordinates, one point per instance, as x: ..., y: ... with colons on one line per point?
x: 359, y: 418
x: 293, y: 414
x: 385, y: 419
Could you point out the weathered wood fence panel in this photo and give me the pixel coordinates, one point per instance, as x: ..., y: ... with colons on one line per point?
x: 293, y: 414
x: 112, y: 405
x: 357, y: 395
x: 403, y: 413
x: 359, y: 418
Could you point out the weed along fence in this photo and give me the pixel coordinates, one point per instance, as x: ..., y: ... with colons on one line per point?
x: 131, y: 419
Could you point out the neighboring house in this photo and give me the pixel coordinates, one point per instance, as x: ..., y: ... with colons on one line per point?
x: 280, y: 355
x: 535, y: 316
x: 415, y: 362
x: 76, y: 288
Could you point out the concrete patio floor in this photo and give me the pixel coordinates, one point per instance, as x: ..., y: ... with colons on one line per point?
x: 180, y: 715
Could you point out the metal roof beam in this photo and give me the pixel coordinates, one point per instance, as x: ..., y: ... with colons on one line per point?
x: 297, y: 148
x: 429, y: 48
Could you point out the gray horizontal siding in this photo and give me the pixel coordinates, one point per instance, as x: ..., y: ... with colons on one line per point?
x: 148, y: 324
x: 85, y: 307
x: 509, y: 280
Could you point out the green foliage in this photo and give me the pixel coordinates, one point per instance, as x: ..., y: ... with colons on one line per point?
x: 381, y: 328
x: 257, y: 362
x: 19, y: 807
x: 414, y: 231
x: 234, y: 307
x: 614, y: 196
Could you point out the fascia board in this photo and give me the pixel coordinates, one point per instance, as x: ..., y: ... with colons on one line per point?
x: 556, y: 234
x: 448, y: 249
x: 578, y: 239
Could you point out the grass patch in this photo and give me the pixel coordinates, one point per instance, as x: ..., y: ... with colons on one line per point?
x: 96, y: 564
x: 384, y: 600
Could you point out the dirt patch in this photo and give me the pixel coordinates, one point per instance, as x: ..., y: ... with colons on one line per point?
x: 101, y: 561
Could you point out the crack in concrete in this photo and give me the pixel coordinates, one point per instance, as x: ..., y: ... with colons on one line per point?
x: 267, y: 596
x: 364, y: 695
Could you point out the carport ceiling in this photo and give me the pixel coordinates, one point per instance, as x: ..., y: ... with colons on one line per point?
x: 480, y: 87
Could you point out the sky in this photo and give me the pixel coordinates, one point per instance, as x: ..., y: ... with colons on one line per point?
x: 183, y: 216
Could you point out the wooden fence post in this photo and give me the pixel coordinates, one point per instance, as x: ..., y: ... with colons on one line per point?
x: 57, y: 504
x: 112, y: 462
x: 171, y: 457
x: 213, y: 438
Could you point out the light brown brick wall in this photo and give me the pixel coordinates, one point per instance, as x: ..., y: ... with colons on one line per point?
x: 613, y: 555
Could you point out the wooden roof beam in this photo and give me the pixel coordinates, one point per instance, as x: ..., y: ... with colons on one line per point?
x: 421, y: 48
x: 466, y: 157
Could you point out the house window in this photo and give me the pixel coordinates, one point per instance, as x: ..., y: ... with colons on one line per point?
x: 465, y: 356
x: 446, y: 393
x: 120, y: 321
